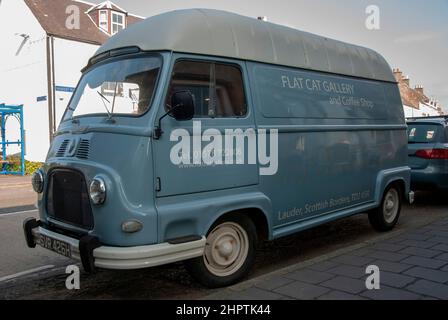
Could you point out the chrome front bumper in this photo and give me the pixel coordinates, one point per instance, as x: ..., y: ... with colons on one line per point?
x: 122, y: 258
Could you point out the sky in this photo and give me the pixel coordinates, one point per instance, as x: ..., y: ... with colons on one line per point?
x: 412, y: 35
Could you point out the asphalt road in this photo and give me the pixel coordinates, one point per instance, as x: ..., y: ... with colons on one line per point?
x: 37, y: 273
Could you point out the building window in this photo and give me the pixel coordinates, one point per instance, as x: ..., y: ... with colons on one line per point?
x: 117, y: 22
x: 103, y: 20
x: 109, y: 88
x: 216, y: 88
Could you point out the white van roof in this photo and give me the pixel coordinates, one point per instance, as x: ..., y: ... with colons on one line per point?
x: 225, y: 34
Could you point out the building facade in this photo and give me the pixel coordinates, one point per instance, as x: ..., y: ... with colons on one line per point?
x: 415, y: 101
x: 46, y: 43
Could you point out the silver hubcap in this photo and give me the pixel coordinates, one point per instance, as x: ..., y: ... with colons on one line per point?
x: 390, y: 205
x: 226, y: 249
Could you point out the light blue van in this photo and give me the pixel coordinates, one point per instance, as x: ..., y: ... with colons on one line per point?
x: 195, y: 134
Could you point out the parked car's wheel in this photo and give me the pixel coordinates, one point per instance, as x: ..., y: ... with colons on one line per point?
x: 385, y: 217
x: 229, y: 253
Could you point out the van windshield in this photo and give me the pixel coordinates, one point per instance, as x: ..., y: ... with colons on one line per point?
x: 423, y: 133
x: 119, y: 87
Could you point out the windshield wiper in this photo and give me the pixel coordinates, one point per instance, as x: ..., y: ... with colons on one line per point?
x: 105, y: 99
x: 102, y: 96
x: 115, y: 94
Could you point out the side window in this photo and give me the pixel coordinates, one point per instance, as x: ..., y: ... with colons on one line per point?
x: 217, y: 88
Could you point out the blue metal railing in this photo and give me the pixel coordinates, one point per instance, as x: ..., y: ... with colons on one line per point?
x: 7, y: 111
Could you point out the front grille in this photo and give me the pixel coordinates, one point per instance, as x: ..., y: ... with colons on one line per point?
x: 83, y: 149
x: 68, y: 199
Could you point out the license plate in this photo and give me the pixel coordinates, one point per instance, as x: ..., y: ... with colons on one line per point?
x: 58, y: 246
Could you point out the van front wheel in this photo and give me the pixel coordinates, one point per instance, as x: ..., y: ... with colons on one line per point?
x: 385, y: 217
x: 228, y: 254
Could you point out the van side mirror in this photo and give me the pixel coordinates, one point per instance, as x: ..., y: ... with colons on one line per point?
x: 182, y: 103
x: 182, y: 109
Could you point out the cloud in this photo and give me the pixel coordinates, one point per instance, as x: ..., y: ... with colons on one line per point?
x: 418, y: 37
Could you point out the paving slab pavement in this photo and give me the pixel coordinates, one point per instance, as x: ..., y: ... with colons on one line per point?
x: 413, y: 265
x: 16, y: 193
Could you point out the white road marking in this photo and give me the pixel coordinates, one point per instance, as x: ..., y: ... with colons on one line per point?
x: 15, y: 186
x: 18, y: 212
x: 24, y: 273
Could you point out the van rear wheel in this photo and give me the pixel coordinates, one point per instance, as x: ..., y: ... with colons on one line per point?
x: 228, y: 255
x: 385, y: 217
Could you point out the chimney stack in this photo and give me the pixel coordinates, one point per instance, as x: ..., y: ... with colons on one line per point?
x: 398, y: 74
x: 420, y: 89
x: 406, y: 81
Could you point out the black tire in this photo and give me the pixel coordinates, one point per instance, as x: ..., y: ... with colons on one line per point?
x: 200, y: 269
x: 381, y: 218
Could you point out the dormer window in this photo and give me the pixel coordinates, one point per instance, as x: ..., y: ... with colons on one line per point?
x: 118, y: 22
x: 104, y: 20
x: 108, y: 17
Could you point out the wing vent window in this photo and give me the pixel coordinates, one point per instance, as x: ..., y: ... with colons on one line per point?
x: 83, y: 149
x: 62, y: 149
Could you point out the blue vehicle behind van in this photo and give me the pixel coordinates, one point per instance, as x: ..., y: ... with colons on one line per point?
x: 195, y: 134
x: 428, y: 153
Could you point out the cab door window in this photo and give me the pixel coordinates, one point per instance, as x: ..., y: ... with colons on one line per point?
x: 217, y: 88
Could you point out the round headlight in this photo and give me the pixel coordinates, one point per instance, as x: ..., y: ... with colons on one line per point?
x: 97, y: 191
x: 38, y: 181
